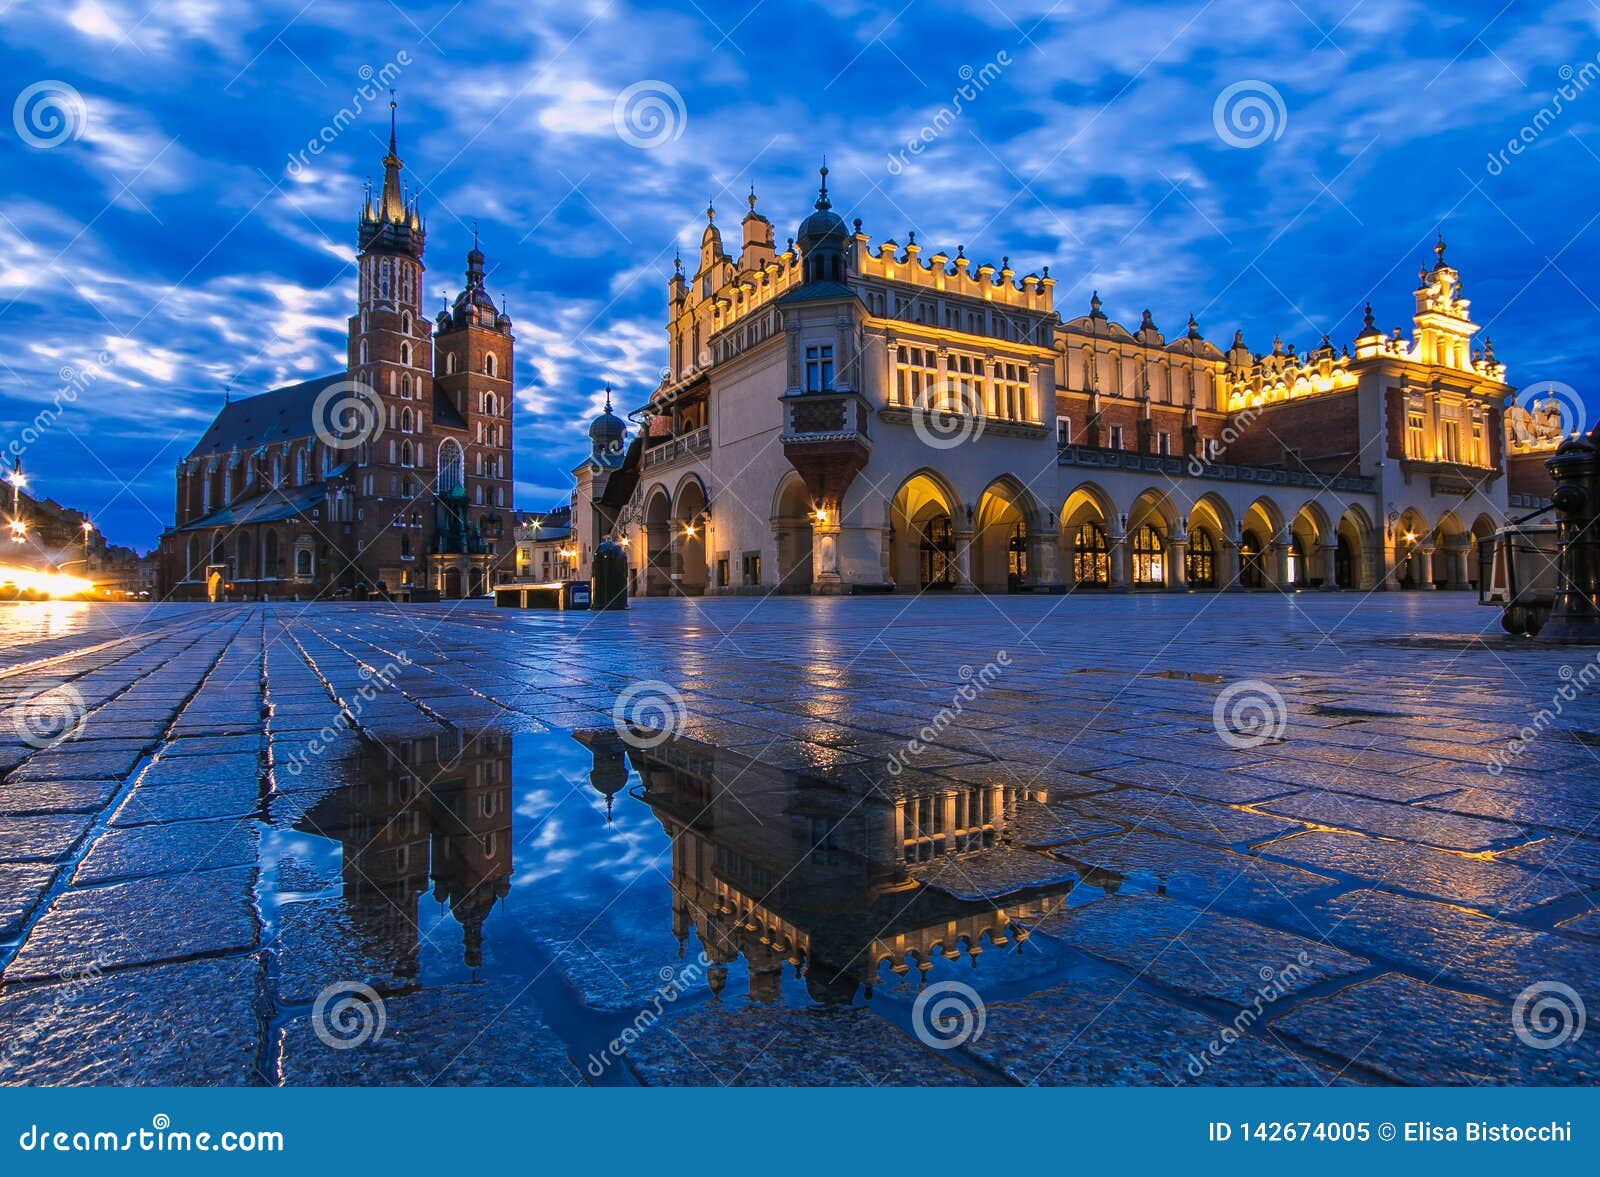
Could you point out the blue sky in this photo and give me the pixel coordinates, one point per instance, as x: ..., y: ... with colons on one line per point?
x: 167, y: 247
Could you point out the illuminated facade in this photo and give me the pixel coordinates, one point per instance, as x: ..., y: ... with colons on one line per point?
x: 417, y: 496
x: 790, y: 445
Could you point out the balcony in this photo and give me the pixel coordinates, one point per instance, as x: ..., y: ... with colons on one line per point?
x: 687, y: 445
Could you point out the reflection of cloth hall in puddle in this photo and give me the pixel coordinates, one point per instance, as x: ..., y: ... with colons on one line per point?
x: 421, y: 808
x: 785, y: 448
x: 782, y: 868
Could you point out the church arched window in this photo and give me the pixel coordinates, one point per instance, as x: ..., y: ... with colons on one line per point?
x: 405, y: 388
x: 405, y: 322
x: 300, y: 468
x: 405, y: 453
x: 269, y: 555
x: 450, y: 364
x: 405, y: 422
x: 363, y: 351
x: 450, y: 465
x: 488, y: 364
x: 405, y: 354
x: 489, y: 403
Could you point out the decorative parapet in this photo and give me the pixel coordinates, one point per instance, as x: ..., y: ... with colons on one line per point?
x: 955, y: 276
x: 1176, y: 467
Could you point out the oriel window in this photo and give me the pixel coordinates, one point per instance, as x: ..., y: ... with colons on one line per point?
x: 819, y: 367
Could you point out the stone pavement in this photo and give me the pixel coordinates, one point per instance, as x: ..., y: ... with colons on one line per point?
x: 1229, y: 839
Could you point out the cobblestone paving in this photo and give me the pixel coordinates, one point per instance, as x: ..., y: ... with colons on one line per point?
x: 1232, y: 839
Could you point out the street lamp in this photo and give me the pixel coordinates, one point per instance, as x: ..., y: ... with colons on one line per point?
x: 88, y: 528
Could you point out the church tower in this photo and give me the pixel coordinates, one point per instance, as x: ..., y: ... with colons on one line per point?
x: 472, y: 411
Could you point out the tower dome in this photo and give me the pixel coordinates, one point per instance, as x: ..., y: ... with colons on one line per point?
x: 823, y: 239
x: 606, y: 434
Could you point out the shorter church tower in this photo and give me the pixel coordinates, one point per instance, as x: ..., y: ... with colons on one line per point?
x: 472, y: 414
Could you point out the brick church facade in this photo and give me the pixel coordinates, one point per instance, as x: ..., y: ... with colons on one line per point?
x: 393, y: 474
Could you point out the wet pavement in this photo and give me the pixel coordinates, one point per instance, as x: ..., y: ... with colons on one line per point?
x: 1238, y: 839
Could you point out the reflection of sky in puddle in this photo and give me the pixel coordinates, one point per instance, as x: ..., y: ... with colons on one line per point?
x: 587, y: 871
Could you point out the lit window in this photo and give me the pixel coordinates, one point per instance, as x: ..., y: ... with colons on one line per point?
x: 1147, y: 563
x: 916, y: 370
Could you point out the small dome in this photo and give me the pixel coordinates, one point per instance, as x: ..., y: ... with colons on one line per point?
x: 824, y: 224
x: 607, y: 427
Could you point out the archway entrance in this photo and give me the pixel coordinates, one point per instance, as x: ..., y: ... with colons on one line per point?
x: 452, y: 584
x: 793, y: 527
x: 658, y: 545
x: 689, y: 526
x: 1000, y: 542
x: 922, y: 554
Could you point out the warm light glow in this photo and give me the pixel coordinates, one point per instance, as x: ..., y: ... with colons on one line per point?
x: 688, y: 530
x: 54, y: 583
x: 87, y: 526
x: 17, y: 478
x: 19, y: 531
x: 1411, y: 537
x: 822, y: 515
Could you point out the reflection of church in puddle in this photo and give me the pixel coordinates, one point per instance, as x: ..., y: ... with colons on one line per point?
x: 782, y: 868
x: 420, y: 810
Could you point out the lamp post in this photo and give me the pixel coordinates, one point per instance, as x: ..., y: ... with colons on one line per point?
x: 88, y: 529
x: 19, y: 529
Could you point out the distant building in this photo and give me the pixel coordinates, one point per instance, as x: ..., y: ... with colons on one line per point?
x: 393, y: 472
x: 845, y: 416
x: 545, y: 549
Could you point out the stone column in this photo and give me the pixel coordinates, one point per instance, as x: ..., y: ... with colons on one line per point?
x: 825, y: 578
x: 1330, y: 566
x: 1281, y: 546
x: 1456, y: 551
x: 963, y: 542
x: 1178, y: 563
x: 1043, y: 559
x: 1120, y: 578
x: 1422, y: 567
x: 1231, y: 567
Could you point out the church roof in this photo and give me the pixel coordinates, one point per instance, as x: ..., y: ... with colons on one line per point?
x: 267, y: 507
x: 270, y: 417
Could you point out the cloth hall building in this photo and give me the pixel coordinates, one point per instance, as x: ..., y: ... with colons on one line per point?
x: 392, y: 474
x: 847, y: 416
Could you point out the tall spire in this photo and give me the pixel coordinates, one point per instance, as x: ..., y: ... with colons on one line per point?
x: 392, y: 208
x: 822, y: 193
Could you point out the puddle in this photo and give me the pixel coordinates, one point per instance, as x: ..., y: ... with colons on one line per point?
x: 591, y: 875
